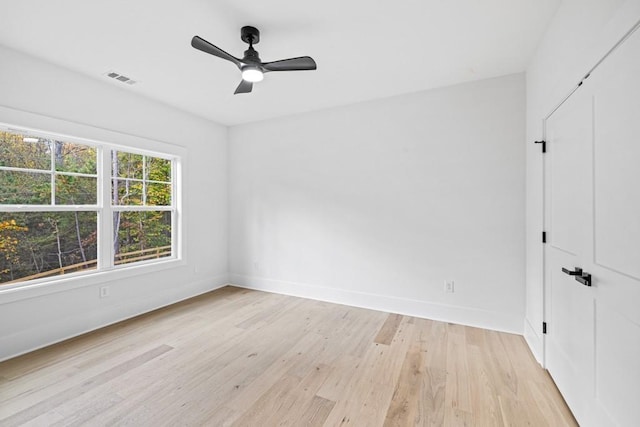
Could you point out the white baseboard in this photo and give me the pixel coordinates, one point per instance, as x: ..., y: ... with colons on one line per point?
x: 534, y: 341
x: 503, y: 322
x: 54, y: 332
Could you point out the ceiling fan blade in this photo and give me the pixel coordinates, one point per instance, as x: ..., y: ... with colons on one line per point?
x: 203, y: 45
x: 243, y: 87
x: 291, y: 64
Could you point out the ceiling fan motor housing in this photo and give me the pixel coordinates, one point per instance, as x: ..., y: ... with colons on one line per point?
x: 251, y: 56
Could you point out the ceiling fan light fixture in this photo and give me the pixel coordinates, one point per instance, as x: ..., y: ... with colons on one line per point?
x: 251, y: 65
x: 252, y: 74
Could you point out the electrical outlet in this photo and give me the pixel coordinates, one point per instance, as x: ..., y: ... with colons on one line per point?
x: 448, y: 286
x: 104, y: 291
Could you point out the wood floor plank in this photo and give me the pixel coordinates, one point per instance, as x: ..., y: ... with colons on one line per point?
x: 435, y: 338
x: 484, y: 403
x: 272, y: 401
x: 80, y: 412
x: 388, y: 330
x: 458, y: 389
x: 376, y: 403
x: 316, y: 413
x: 345, y: 368
x: 347, y: 409
x: 301, y: 398
x: 404, y: 403
x: 498, y: 362
x: 242, y: 357
x: 45, y: 420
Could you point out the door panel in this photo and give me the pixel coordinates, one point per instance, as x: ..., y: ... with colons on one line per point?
x: 617, y: 166
x: 618, y: 356
x: 570, y: 133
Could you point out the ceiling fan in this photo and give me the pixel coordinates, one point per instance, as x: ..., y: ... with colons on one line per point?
x: 251, y: 65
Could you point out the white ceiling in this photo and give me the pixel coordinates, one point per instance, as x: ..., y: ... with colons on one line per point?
x: 365, y: 49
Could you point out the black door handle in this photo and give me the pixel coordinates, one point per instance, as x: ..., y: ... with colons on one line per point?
x: 582, y: 277
x: 577, y: 271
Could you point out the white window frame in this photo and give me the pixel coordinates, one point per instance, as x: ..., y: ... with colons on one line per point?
x: 107, y: 199
x: 105, y: 268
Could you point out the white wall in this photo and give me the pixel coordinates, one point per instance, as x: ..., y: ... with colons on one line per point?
x: 580, y: 34
x: 39, y: 95
x: 377, y: 204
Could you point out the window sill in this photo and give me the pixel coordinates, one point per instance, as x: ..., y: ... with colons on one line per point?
x: 52, y: 285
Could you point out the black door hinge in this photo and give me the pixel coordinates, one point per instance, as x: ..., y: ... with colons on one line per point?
x: 544, y: 237
x: 544, y: 327
x: 544, y: 145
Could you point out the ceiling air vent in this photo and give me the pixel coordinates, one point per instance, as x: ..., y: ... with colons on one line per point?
x: 121, y: 77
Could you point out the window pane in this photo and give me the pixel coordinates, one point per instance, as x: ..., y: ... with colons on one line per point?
x: 126, y: 192
x: 158, y: 194
x: 127, y: 165
x: 76, y: 190
x: 21, y: 151
x: 71, y: 157
x: 141, y: 236
x: 24, y: 188
x: 158, y: 169
x: 43, y: 244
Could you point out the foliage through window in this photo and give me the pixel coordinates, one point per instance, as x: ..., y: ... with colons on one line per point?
x: 140, y: 182
x: 55, y: 196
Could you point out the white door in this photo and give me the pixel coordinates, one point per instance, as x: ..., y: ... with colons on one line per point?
x: 592, y: 217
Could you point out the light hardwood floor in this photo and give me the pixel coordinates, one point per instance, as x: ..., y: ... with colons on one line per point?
x: 248, y: 358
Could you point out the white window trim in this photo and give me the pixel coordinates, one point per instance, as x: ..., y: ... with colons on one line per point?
x: 106, y: 270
